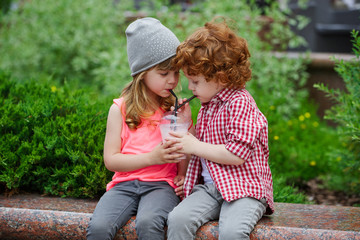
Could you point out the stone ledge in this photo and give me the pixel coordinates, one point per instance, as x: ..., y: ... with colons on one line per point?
x: 317, y: 60
x: 36, y: 217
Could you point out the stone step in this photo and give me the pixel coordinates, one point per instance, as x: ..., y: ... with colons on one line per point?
x: 32, y: 216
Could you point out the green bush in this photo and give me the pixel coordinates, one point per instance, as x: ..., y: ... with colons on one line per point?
x: 346, y: 112
x: 299, y: 146
x: 283, y: 192
x: 66, y: 40
x: 5, y: 6
x: 51, y: 139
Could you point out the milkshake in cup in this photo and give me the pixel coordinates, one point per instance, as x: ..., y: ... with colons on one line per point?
x: 172, y: 122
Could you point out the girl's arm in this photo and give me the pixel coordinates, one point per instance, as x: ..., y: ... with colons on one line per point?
x: 180, y: 177
x: 117, y: 162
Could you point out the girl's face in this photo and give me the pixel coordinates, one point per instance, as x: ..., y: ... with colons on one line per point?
x: 161, y: 81
x: 202, y: 89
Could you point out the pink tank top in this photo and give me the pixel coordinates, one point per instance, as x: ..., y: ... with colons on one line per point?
x: 142, y: 140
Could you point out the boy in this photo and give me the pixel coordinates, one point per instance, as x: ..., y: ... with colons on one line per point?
x: 228, y: 177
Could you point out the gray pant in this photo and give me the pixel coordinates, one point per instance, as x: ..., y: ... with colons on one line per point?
x: 236, y: 219
x: 151, y: 202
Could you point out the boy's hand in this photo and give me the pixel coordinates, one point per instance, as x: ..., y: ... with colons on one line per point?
x: 188, y: 142
x: 179, y: 182
x: 185, y: 111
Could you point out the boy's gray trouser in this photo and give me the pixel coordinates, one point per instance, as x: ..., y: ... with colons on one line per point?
x: 236, y: 219
x: 151, y: 202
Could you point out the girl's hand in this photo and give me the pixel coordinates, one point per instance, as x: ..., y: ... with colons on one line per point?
x: 166, y: 152
x: 179, y: 182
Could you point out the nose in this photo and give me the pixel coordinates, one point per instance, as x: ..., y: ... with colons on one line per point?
x: 190, y: 86
x: 173, y: 78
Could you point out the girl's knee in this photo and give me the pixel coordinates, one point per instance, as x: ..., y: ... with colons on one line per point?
x: 150, y: 221
x: 99, y: 230
x: 150, y: 227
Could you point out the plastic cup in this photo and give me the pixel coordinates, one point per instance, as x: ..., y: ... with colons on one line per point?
x: 171, y: 123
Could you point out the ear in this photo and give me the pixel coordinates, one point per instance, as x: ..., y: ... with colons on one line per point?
x: 221, y: 78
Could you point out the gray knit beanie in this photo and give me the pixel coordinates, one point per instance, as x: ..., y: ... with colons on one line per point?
x: 148, y: 44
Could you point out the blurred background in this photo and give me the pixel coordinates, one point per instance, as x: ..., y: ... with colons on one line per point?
x: 330, y: 25
x: 62, y: 63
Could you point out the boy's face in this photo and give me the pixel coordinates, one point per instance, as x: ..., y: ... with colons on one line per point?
x: 202, y: 89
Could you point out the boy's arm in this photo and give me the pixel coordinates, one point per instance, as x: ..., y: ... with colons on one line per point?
x: 216, y: 153
x: 211, y: 152
x: 182, y: 166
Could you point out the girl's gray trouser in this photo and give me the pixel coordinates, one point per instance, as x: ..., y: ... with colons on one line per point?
x: 151, y: 202
x: 236, y: 219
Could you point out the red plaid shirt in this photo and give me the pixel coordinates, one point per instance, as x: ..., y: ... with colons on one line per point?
x: 232, y: 118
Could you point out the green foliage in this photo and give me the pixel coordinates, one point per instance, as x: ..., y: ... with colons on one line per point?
x: 299, y: 146
x: 346, y: 113
x: 278, y: 85
x: 51, y: 138
x: 283, y: 192
x: 63, y: 39
x: 5, y: 6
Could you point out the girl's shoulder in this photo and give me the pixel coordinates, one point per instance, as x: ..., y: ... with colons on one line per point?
x: 120, y: 103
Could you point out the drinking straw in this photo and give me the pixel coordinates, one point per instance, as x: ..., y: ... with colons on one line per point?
x: 187, y: 100
x: 176, y: 101
x: 177, y: 106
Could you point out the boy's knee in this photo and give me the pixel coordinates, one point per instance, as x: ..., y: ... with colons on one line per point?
x: 240, y: 232
x: 177, y: 219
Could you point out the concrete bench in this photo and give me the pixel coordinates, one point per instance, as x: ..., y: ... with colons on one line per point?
x: 36, y: 217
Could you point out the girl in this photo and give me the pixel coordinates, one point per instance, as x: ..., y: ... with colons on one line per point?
x: 146, y: 170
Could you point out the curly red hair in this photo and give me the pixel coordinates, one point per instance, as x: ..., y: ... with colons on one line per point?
x: 217, y: 53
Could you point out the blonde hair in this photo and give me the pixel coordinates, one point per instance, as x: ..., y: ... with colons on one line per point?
x: 138, y: 104
x: 217, y: 53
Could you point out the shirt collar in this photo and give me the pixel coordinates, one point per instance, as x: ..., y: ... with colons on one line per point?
x: 221, y: 96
